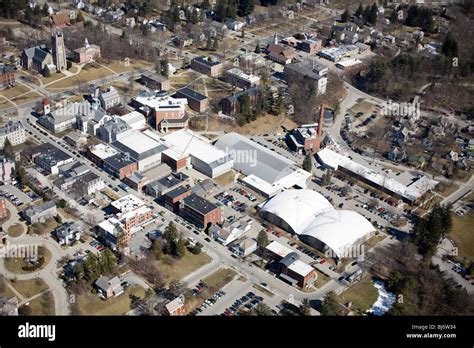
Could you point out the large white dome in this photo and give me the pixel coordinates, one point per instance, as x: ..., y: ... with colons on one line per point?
x: 297, y: 207
x: 338, y: 229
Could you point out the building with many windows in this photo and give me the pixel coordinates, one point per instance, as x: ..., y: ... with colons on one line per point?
x: 14, y: 132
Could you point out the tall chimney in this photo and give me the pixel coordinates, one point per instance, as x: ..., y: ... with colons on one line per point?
x: 320, y: 128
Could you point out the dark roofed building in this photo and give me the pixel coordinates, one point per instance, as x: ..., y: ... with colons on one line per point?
x: 161, y: 186
x: 155, y: 81
x: 310, y: 71
x: 120, y: 165
x: 172, y: 198
x: 207, y: 66
x: 196, y: 101
x: 231, y: 104
x: 200, y: 211
x: 37, y: 58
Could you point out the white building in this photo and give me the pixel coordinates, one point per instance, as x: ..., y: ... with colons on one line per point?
x: 410, y: 193
x: 110, y: 98
x: 142, y: 148
x: 203, y: 156
x: 246, y: 247
x: 135, y: 120
x: 228, y: 234
x: 309, y: 215
x: 14, y: 132
x: 6, y: 168
x: 266, y: 171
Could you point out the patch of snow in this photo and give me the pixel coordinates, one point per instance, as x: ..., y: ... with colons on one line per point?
x: 385, y: 300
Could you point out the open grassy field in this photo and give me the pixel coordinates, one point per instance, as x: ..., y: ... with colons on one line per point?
x: 54, y: 77
x: 120, y: 66
x: 181, y: 268
x: 48, y: 226
x: 26, y: 98
x: 463, y: 236
x: 322, y: 279
x: 15, y: 230
x: 15, y: 264
x: 225, y: 179
x: 14, y: 91
x: 362, y: 295
x: 31, y: 287
x: 88, y: 73
x: 90, y: 304
x: 41, y: 305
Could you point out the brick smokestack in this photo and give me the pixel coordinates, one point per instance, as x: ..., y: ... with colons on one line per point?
x: 320, y: 128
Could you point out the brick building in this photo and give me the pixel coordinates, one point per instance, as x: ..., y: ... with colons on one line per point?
x: 199, y: 211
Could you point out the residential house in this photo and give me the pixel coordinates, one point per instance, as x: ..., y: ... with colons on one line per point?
x: 176, y: 307
x: 68, y: 233
x: 39, y: 213
x: 107, y: 287
x: 110, y: 98
x: 245, y: 247
x: 230, y: 233
x: 281, y: 54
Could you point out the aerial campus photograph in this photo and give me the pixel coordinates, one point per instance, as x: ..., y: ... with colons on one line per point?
x: 237, y: 158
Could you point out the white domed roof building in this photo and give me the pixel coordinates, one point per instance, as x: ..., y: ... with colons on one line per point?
x: 312, y: 217
x: 293, y: 210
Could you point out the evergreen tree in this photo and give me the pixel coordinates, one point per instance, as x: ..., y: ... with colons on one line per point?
x: 246, y: 107
x: 305, y: 307
x: 360, y: 11
x: 171, y: 232
x: 308, y: 163
x: 46, y: 72
x: 164, y: 67
x: 329, y: 306
x: 157, y: 249
x: 80, y: 16
x: 345, y: 16
x: 280, y: 101
x: 209, y: 43
x: 245, y: 7
x: 8, y: 149
x: 215, y: 44
x: 257, y: 48
x: 450, y: 46
x: 262, y: 239
x: 206, y: 5
x: 180, y: 248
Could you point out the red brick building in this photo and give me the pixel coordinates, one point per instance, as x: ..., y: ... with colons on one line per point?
x: 200, y: 211
x: 7, y: 76
x: 172, y: 198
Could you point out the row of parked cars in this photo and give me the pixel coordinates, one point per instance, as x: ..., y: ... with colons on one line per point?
x: 308, y: 252
x: 251, y: 197
x: 208, y: 303
x: 16, y: 201
x: 230, y: 201
x: 248, y: 301
x: 96, y: 244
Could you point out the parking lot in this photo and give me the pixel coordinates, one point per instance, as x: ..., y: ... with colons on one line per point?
x: 17, y: 196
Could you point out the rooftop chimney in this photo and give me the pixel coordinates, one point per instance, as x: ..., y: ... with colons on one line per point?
x: 320, y: 128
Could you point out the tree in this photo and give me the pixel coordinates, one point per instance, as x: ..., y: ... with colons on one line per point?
x: 8, y: 149
x: 345, y: 16
x: 157, y: 249
x: 257, y: 48
x: 246, y: 107
x: 360, y: 11
x: 196, y: 250
x: 58, y: 219
x: 428, y: 231
x: 164, y: 67
x: 68, y: 64
x: 308, y: 163
x: 80, y: 16
x: 46, y: 72
x: 180, y: 248
x: 262, y: 239
x: 206, y: 4
x: 305, y: 307
x: 262, y: 309
x: 215, y: 44
x: 209, y: 43
x: 450, y: 46
x: 280, y: 101
x: 245, y: 7
x: 329, y: 305
x: 171, y: 232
